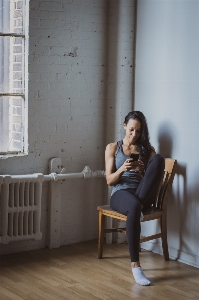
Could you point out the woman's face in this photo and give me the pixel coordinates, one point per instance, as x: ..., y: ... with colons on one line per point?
x: 133, y: 130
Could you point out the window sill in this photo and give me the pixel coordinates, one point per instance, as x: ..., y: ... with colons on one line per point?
x: 8, y: 155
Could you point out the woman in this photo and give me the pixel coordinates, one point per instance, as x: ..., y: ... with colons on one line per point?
x: 135, y: 183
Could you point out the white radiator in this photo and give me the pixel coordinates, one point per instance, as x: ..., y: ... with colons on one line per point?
x: 20, y: 201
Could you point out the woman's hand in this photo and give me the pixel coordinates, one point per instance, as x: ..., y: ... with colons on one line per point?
x: 127, y: 165
x: 138, y: 166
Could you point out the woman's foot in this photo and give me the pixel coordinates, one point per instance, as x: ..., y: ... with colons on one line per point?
x: 139, y: 276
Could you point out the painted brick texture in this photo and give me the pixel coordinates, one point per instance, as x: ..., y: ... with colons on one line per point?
x: 71, y: 59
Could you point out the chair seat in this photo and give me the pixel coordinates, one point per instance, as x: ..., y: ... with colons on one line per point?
x: 151, y: 213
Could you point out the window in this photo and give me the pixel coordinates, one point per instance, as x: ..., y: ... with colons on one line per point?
x: 14, y: 20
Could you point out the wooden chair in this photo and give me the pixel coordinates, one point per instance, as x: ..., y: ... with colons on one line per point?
x: 157, y: 211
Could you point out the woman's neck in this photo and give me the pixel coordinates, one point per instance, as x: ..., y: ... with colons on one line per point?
x: 128, y: 144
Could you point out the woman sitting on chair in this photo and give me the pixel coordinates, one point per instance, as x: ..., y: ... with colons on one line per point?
x: 135, y: 182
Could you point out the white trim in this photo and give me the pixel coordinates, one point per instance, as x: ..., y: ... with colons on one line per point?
x: 175, y: 254
x: 26, y: 49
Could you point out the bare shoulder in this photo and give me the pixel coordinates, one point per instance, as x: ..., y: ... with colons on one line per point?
x: 111, y: 148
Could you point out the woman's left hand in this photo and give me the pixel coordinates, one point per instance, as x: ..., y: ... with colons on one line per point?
x: 138, y: 166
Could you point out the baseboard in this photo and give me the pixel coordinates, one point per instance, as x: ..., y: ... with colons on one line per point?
x: 175, y: 254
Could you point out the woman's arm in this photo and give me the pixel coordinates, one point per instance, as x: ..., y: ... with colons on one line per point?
x: 112, y: 176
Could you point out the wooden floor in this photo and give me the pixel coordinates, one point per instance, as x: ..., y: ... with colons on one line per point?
x: 75, y: 272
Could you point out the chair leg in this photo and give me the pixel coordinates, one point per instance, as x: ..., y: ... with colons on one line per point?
x: 101, y: 234
x: 164, y: 236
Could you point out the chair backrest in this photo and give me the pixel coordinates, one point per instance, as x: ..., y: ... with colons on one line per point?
x: 165, y: 186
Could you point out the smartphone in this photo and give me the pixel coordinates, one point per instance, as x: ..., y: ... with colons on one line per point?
x: 134, y: 157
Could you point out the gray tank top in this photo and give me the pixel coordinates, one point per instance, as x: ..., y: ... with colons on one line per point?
x: 129, y: 179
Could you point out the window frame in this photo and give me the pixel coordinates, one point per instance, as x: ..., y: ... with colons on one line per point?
x: 25, y: 38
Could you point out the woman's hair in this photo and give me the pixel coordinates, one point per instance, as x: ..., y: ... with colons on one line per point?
x: 142, y: 143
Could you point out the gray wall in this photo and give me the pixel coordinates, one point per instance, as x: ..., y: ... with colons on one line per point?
x: 167, y: 91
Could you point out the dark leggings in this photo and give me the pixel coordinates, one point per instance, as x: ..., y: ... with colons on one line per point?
x: 129, y: 202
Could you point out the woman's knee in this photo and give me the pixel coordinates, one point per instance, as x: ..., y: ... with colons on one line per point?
x: 159, y: 160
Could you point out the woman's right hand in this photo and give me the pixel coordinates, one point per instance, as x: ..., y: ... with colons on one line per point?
x: 127, y: 165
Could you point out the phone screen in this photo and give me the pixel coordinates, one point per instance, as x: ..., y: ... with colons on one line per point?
x: 134, y: 156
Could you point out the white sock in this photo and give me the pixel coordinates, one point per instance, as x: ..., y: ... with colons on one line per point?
x: 140, y: 277
x: 141, y: 216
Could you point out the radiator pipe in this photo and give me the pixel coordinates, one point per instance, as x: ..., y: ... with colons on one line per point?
x: 86, y: 174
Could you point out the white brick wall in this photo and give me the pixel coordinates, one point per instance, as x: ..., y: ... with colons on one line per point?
x: 70, y: 99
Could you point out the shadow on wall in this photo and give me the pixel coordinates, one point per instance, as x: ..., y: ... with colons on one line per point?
x: 165, y: 139
x: 177, y: 213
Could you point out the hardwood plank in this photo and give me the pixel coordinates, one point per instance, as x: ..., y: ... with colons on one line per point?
x: 9, y: 294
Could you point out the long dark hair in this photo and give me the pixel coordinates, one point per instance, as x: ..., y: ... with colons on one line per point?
x: 142, y: 143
